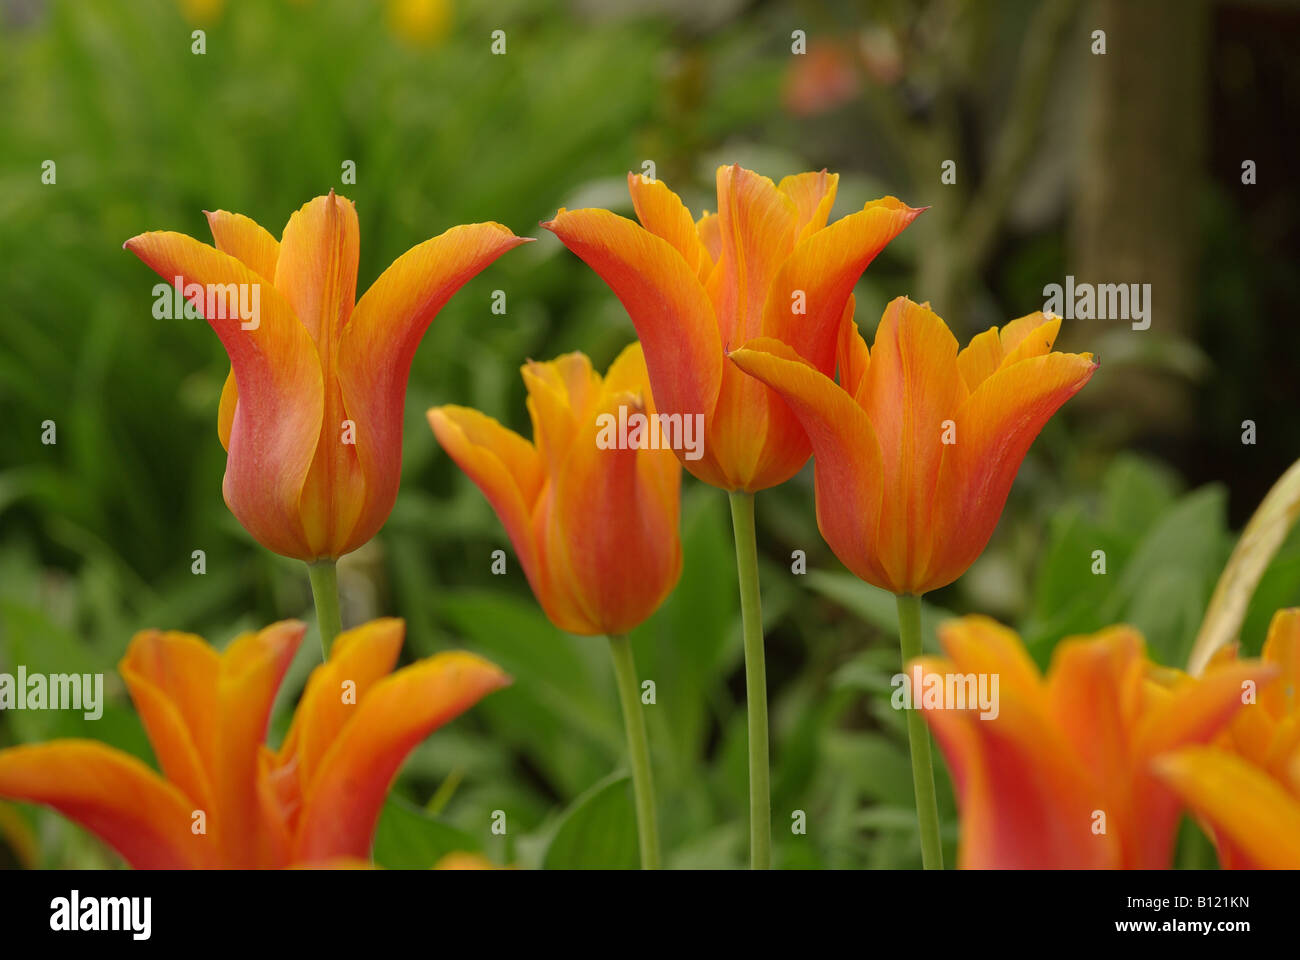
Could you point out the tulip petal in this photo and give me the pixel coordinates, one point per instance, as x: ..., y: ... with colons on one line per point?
x: 1025, y: 802
x: 246, y: 240
x: 848, y: 472
x: 662, y: 213
x: 273, y: 435
x: 824, y: 268
x: 252, y: 668
x: 380, y: 340
x: 343, y: 803
x: 1249, y: 812
x: 614, y: 503
x: 112, y: 794
x: 505, y: 466
x: 1282, y: 647
x: 172, y: 680
x: 911, y: 391
x: 757, y: 224
x: 316, y: 270
x: 813, y: 195
x: 669, y: 307
x: 359, y: 659
x: 994, y: 429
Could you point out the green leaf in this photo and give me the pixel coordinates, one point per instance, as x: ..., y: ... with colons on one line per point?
x: 598, y: 831
x: 875, y: 606
x: 407, y: 838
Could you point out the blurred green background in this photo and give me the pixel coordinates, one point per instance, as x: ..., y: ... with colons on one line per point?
x: 1122, y: 167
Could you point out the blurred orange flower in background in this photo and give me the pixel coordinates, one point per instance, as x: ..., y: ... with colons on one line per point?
x: 311, y: 414
x: 1246, y: 787
x: 595, y: 529
x: 225, y: 798
x: 1064, y: 776
x: 766, y: 264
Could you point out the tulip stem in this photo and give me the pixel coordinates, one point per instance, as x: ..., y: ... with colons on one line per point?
x: 324, y: 578
x: 638, y: 749
x: 751, y: 615
x: 918, y: 739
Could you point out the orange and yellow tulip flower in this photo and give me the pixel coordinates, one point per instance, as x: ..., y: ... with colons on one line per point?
x: 1065, y: 774
x: 596, y: 530
x: 765, y: 265
x: 225, y: 798
x: 917, y: 446
x: 593, y: 515
x: 311, y: 415
x: 1246, y: 786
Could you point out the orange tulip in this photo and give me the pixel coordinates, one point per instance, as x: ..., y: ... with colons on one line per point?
x: 765, y: 265
x: 1064, y: 775
x: 917, y: 446
x: 1246, y: 787
x: 226, y: 799
x: 311, y: 415
x: 596, y: 530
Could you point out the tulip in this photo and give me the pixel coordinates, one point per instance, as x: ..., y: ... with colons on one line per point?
x: 595, y: 525
x: 1246, y: 787
x: 916, y: 448
x: 1065, y: 774
x: 225, y: 798
x: 766, y: 264
x: 311, y: 414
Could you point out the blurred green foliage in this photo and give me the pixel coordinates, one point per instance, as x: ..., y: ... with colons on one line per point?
x: 98, y: 530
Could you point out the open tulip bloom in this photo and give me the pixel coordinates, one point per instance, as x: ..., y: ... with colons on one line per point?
x: 311, y: 414
x: 1245, y: 786
x: 765, y: 265
x: 916, y: 448
x: 227, y: 799
x: 1067, y: 773
x: 594, y: 521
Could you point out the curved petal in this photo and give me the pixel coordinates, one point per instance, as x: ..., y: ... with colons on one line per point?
x: 612, y: 527
x: 669, y: 307
x: 505, y: 466
x: 379, y: 342
x: 911, y: 388
x: 343, y: 804
x: 662, y: 213
x: 757, y: 225
x: 994, y: 429
x: 1025, y: 802
x: 1282, y: 647
x: 316, y: 270
x: 172, y: 678
x: 253, y: 246
x: 1249, y: 812
x: 359, y: 659
x: 317, y: 273
x: 246, y: 240
x: 113, y: 795
x: 252, y: 668
x: 813, y: 195
x: 825, y: 266
x: 274, y: 431
x: 848, y: 456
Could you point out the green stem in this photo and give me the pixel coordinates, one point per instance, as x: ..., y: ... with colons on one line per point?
x: 638, y: 748
x: 325, y: 591
x: 918, y: 739
x: 760, y: 791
